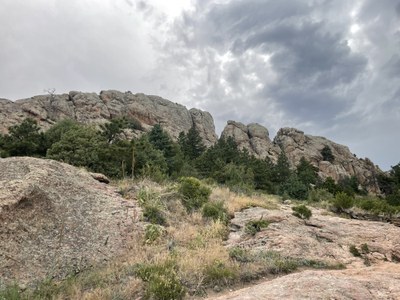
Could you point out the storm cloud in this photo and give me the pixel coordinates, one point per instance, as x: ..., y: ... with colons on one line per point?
x: 329, y: 68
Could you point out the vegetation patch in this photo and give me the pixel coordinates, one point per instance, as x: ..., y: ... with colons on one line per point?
x: 302, y: 212
x: 254, y: 226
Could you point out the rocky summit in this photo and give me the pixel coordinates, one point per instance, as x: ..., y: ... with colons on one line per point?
x: 255, y: 139
x: 57, y: 220
x: 98, y: 109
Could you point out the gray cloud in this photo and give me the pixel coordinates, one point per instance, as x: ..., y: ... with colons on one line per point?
x: 327, y: 67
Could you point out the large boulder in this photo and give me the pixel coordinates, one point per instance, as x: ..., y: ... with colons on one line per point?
x: 57, y: 220
x: 91, y: 108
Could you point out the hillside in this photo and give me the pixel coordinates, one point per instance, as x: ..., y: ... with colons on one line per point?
x: 65, y: 235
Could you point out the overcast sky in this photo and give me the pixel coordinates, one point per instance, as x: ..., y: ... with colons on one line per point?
x: 327, y: 67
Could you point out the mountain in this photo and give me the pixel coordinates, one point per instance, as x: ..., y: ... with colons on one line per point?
x: 92, y: 108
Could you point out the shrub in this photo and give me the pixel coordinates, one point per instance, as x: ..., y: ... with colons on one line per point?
x: 327, y: 154
x: 342, y: 201
x: 154, y: 215
x: 162, y: 280
x: 215, y: 211
x: 240, y: 254
x: 317, y: 195
x: 254, y: 226
x: 219, y: 273
x: 353, y: 250
x: 194, y: 193
x: 152, y: 233
x: 294, y: 188
x: 364, y: 248
x: 302, y: 212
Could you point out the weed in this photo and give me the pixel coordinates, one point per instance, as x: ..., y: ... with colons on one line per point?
x: 215, y: 211
x: 219, y: 272
x: 152, y: 233
x: 364, y: 248
x: 254, y: 226
x: 194, y: 193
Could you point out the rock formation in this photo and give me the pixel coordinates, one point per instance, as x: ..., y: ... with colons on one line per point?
x: 97, y: 109
x: 375, y: 275
x: 296, y: 144
x: 57, y: 220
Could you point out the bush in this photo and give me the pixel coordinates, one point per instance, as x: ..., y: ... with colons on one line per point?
x: 353, y: 250
x: 162, y: 280
x: 342, y: 201
x: 302, y: 212
x: 294, y: 188
x: 154, y: 215
x: 219, y: 273
x: 254, y: 226
x: 364, y: 248
x: 152, y: 232
x: 317, y: 195
x: 215, y: 211
x: 194, y: 193
x: 240, y: 254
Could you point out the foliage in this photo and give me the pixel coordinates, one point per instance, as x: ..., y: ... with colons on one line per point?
x: 163, y: 282
x: 254, y: 226
x: 330, y: 185
x: 281, y: 171
x: 353, y: 250
x: 306, y: 172
x: 240, y: 254
x: 302, y: 212
x: 342, y: 201
x: 294, y: 188
x: 154, y: 215
x: 194, y: 193
x: 24, y: 139
x: 318, y: 194
x: 327, y: 154
x: 215, y: 211
x: 219, y: 273
x: 364, y: 248
x: 191, y: 143
x: 151, y: 233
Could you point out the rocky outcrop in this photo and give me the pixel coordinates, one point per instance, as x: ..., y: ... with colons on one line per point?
x: 326, y: 238
x: 253, y: 137
x: 98, y: 109
x: 57, y: 220
x: 378, y: 282
x: 296, y: 145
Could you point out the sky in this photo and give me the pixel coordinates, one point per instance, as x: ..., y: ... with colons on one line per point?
x: 327, y: 67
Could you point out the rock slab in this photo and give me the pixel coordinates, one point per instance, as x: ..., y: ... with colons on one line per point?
x: 57, y: 220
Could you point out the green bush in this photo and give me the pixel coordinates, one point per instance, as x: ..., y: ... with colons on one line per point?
x: 294, y: 188
x: 254, y: 226
x: 163, y: 282
x: 215, y: 211
x: 194, y: 193
x: 154, y: 215
x: 152, y: 232
x: 240, y: 254
x: 219, y: 273
x: 364, y: 248
x: 302, y: 212
x: 342, y: 201
x: 353, y: 250
x: 317, y: 195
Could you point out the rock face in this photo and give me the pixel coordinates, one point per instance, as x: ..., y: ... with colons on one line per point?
x: 57, y: 219
x: 379, y: 282
x: 97, y: 109
x: 253, y: 137
x: 296, y: 145
x: 323, y: 238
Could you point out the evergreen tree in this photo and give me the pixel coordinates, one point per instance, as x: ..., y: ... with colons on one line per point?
x: 327, y: 154
x: 306, y: 172
x: 24, y: 139
x: 191, y: 144
x: 281, y: 171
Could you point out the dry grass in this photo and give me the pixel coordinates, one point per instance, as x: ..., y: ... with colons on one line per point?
x: 234, y: 202
x: 194, y: 244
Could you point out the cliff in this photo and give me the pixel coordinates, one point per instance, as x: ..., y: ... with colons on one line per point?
x: 97, y: 109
